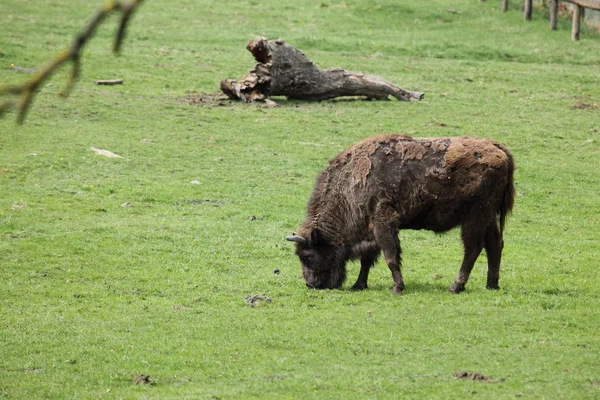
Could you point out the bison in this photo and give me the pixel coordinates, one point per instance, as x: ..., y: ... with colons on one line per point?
x: 390, y: 182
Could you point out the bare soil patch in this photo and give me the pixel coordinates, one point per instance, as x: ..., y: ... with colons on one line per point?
x: 582, y: 105
x: 143, y: 380
x: 476, y: 376
x: 255, y: 299
x: 194, y: 98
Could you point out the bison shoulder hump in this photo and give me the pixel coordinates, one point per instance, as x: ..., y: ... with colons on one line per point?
x: 466, y: 152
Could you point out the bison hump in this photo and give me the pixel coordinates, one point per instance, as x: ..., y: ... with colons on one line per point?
x: 465, y: 152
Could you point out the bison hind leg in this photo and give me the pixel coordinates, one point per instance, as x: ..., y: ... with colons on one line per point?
x: 473, y: 241
x: 493, y: 247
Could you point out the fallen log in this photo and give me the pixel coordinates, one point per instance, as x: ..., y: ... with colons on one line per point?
x: 283, y: 70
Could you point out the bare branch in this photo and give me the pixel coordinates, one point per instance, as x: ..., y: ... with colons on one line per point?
x: 26, y: 91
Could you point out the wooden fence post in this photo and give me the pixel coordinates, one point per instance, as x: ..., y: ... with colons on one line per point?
x: 528, y: 9
x: 577, y: 12
x: 553, y: 5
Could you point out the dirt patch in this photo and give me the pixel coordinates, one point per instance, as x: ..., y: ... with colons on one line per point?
x: 194, y: 98
x: 199, y: 99
x: 435, y: 123
x: 143, y: 380
x: 472, y: 376
x: 216, y: 203
x: 255, y: 299
x: 582, y: 105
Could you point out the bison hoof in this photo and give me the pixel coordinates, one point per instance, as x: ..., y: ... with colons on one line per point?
x: 358, y: 287
x: 397, y: 291
x: 456, y: 288
x: 494, y: 287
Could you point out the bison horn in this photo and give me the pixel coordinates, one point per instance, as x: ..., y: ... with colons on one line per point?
x: 296, y: 238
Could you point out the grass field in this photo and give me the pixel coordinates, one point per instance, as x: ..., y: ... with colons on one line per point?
x: 113, y: 268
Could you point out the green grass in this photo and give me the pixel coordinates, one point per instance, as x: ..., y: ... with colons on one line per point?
x: 94, y: 293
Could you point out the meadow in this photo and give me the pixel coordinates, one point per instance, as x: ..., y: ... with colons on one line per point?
x: 117, y: 269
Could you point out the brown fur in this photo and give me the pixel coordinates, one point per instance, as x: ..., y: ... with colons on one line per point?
x: 390, y: 182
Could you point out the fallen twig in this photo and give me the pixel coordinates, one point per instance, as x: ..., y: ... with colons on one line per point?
x: 109, y: 82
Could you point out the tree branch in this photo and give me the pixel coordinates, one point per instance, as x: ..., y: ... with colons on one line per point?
x: 25, y: 92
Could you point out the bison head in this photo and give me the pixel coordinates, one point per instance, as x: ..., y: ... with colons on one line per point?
x: 323, y: 264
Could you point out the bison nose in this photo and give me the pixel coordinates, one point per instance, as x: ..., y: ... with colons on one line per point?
x: 310, y: 286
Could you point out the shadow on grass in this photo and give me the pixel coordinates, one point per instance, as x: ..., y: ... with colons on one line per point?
x: 411, y: 287
x: 218, y: 99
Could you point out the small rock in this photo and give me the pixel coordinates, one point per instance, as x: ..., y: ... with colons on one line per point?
x: 270, y: 103
x: 127, y: 204
x: 105, y: 153
x: 276, y: 271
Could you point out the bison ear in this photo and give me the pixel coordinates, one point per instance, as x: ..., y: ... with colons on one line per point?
x: 316, y: 236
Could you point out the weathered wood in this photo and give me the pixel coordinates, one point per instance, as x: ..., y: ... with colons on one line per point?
x: 504, y: 5
x: 577, y: 13
x: 553, y: 5
x: 283, y: 70
x: 593, y: 4
x: 528, y: 9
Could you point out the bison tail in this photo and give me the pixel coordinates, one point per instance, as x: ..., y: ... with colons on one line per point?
x: 508, y: 200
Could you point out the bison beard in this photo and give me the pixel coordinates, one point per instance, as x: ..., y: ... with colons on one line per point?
x: 387, y: 183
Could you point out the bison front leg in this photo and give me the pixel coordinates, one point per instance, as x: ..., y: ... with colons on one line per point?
x: 473, y: 243
x: 366, y: 263
x: 387, y: 238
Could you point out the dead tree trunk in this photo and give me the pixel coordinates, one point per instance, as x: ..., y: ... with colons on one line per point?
x: 283, y: 70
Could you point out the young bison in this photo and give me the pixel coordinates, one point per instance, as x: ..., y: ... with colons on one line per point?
x: 387, y: 183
